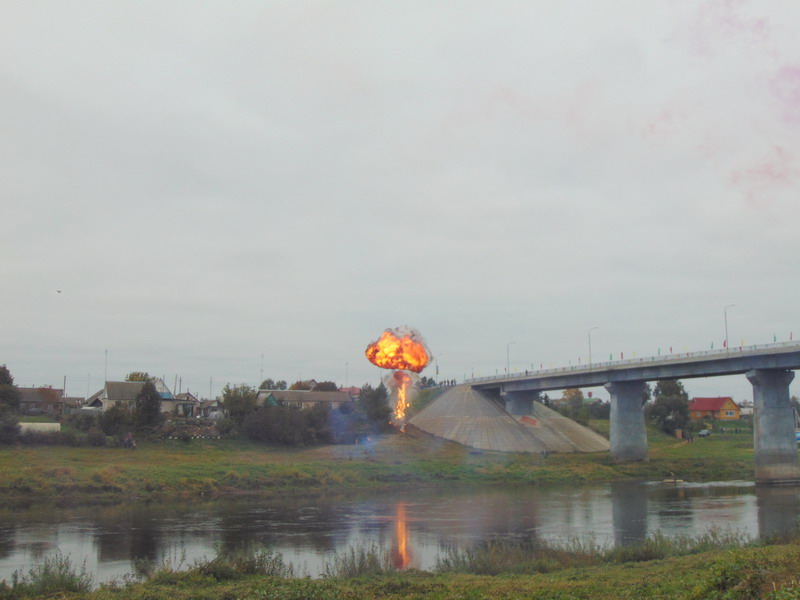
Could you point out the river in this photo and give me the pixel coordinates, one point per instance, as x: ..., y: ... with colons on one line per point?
x: 416, y: 526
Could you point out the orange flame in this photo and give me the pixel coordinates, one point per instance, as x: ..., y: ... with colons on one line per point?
x: 402, y: 381
x: 401, y: 348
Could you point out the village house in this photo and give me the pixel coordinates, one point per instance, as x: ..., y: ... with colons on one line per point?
x: 46, y: 401
x: 184, y: 405
x: 125, y: 392
x: 745, y: 409
x: 303, y: 399
x: 354, y: 392
x: 722, y: 408
x: 211, y: 408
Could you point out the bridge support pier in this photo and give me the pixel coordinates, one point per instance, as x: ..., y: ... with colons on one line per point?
x: 774, y: 431
x: 628, y: 434
x: 520, y: 403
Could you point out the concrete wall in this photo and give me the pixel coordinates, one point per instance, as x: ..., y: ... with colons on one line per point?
x: 40, y: 427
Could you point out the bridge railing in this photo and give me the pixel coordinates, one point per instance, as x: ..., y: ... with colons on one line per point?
x: 659, y: 359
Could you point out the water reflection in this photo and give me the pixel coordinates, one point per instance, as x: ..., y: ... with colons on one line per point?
x: 414, y: 526
x: 401, y: 557
x: 629, y: 511
x: 778, y: 511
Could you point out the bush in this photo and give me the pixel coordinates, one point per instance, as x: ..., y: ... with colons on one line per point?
x: 54, y: 575
x: 43, y: 438
x: 70, y: 437
x: 288, y: 426
x: 359, y: 561
x: 115, y: 421
x: 96, y: 437
x: 226, y: 427
x: 9, y: 428
x: 82, y: 422
x: 244, y: 562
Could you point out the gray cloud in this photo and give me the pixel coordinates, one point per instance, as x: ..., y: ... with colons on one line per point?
x: 207, y: 182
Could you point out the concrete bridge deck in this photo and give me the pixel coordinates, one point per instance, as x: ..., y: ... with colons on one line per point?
x: 684, y: 365
x: 769, y: 368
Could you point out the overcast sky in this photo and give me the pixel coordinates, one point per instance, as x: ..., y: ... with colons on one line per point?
x: 210, y: 182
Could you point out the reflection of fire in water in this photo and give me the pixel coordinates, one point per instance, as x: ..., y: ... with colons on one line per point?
x: 403, y: 350
x: 401, y: 556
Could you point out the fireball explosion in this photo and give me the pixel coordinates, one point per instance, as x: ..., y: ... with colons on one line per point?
x: 403, y: 350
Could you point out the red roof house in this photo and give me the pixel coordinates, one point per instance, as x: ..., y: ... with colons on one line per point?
x: 723, y: 408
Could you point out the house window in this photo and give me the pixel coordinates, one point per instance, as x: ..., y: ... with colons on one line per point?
x: 730, y: 413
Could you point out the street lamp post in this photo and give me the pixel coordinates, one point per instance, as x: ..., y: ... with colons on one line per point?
x: 508, y: 357
x: 725, y: 312
x: 590, y: 345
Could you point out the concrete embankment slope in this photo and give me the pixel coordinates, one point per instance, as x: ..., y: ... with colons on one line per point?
x: 471, y: 418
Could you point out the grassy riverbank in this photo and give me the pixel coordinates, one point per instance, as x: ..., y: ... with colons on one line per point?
x: 658, y: 569
x: 215, y: 467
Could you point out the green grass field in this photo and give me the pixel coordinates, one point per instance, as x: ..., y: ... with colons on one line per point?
x: 212, y: 467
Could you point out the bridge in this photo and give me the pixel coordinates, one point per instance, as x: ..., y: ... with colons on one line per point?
x: 769, y: 368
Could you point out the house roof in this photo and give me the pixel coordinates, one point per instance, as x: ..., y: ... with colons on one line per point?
x: 123, y: 390
x: 306, y: 396
x: 41, y: 394
x: 710, y: 404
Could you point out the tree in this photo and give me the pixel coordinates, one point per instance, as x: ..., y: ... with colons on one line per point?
x: 9, y: 394
x: 326, y: 386
x: 573, y: 398
x: 600, y: 410
x: 271, y: 384
x: 116, y: 420
x: 301, y: 385
x: 5, y: 376
x: 239, y: 401
x: 373, y: 403
x: 647, y: 394
x: 572, y: 405
x: 147, y: 406
x: 670, y: 387
x: 670, y: 408
x: 138, y: 376
x: 317, y: 425
x: 9, y: 427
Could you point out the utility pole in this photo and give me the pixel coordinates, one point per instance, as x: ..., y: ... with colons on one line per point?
x: 508, y: 358
x: 725, y: 312
x: 590, y: 345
